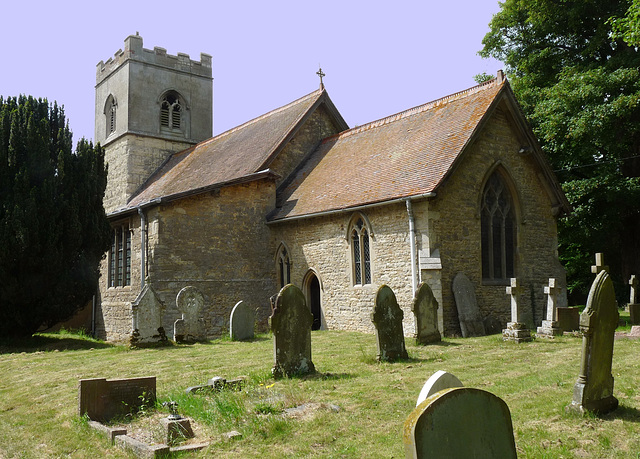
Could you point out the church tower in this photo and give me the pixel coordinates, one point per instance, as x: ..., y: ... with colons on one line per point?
x: 149, y: 104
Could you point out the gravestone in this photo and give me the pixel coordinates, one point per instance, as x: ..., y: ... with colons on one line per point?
x: 593, y: 390
x: 568, y: 318
x: 516, y: 330
x: 550, y: 327
x: 387, y: 318
x: 438, y: 381
x: 425, y: 310
x: 471, y: 323
x: 147, y: 310
x: 102, y: 400
x: 599, y: 266
x: 291, y: 322
x: 460, y: 422
x: 241, y: 322
x: 190, y: 328
x: 634, y: 307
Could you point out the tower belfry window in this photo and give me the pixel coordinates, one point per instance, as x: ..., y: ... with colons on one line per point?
x: 110, y: 116
x: 170, y: 112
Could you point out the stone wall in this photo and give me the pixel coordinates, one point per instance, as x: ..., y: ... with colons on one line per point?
x: 219, y: 243
x: 455, y: 221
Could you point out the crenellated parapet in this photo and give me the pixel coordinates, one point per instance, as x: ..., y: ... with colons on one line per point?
x: 133, y: 50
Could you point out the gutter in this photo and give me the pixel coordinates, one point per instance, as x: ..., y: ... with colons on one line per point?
x: 323, y: 213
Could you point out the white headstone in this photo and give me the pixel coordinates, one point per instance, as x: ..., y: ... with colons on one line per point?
x: 190, y: 327
x: 241, y: 322
x: 438, y: 381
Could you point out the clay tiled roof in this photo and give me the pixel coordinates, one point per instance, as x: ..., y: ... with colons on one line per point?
x: 404, y: 155
x: 234, y: 155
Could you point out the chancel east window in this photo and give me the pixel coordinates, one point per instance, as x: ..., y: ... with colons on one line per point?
x: 120, y: 257
x: 498, y: 223
x: 170, y: 111
x: 284, y: 267
x: 360, y: 253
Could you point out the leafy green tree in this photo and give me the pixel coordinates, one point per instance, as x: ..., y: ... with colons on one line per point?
x: 579, y: 84
x: 53, y: 228
x: 628, y: 27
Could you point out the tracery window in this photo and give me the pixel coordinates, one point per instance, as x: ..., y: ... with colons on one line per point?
x: 284, y: 267
x: 170, y: 111
x: 120, y: 257
x: 498, y: 233
x: 361, y: 252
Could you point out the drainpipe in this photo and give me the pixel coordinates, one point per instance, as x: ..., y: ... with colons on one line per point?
x: 93, y: 316
x: 143, y: 240
x: 412, y: 243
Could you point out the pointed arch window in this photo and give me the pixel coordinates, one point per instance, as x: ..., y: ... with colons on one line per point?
x: 110, y: 115
x: 284, y: 267
x: 498, y: 233
x: 361, y: 252
x: 171, y: 111
x: 120, y: 257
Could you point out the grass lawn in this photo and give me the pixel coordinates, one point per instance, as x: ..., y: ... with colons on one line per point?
x: 39, y: 392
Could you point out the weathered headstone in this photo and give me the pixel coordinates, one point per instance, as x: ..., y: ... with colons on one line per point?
x: 471, y: 323
x: 147, y: 310
x: 599, y: 266
x: 241, y: 322
x: 190, y: 327
x: 425, y: 310
x: 516, y: 330
x: 460, y: 422
x: 568, y: 318
x: 634, y: 307
x: 550, y: 327
x: 102, y: 400
x: 387, y: 318
x: 593, y: 390
x: 438, y: 381
x: 291, y: 322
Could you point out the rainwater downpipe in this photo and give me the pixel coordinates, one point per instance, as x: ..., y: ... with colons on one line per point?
x: 143, y: 240
x: 412, y: 244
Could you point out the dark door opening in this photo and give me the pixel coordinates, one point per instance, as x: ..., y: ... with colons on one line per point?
x: 314, y: 302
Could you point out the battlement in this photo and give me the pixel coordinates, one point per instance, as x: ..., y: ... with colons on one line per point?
x: 134, y: 51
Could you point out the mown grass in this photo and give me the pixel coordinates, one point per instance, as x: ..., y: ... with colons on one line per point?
x: 39, y: 379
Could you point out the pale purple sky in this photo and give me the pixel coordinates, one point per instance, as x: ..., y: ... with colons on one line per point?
x: 379, y: 57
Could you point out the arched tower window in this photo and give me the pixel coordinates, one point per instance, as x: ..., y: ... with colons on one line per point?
x: 170, y: 111
x: 498, y: 221
x: 284, y: 266
x: 110, y: 115
x: 360, y: 252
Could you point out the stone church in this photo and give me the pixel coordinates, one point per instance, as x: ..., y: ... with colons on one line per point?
x: 458, y: 184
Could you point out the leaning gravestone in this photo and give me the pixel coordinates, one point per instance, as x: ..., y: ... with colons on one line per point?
x: 190, y: 327
x: 438, y: 381
x: 460, y: 422
x: 425, y: 310
x: 147, y: 318
x: 291, y: 322
x: 387, y: 318
x: 242, y: 322
x: 471, y: 323
x: 593, y: 390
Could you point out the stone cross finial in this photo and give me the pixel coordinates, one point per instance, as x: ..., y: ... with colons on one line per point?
x: 321, y: 74
x: 552, y: 290
x: 514, y: 290
x: 633, y: 282
x: 599, y: 266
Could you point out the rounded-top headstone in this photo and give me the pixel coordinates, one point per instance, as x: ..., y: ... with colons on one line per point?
x: 438, y: 381
x: 242, y: 322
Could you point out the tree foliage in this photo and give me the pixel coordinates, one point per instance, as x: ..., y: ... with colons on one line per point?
x: 578, y: 82
x: 53, y: 228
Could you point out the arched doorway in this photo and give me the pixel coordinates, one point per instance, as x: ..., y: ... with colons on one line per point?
x: 313, y: 290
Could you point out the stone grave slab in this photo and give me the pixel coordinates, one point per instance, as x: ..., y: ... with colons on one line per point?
x: 438, y: 381
x: 387, y: 319
x: 147, y: 311
x: 103, y: 399
x: 568, y: 318
x: 425, y: 310
x: 471, y: 323
x: 593, y: 390
x: 190, y: 328
x: 460, y: 422
x: 242, y: 322
x: 291, y: 322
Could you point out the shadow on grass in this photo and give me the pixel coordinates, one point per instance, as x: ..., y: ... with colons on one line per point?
x: 41, y: 343
x: 624, y: 413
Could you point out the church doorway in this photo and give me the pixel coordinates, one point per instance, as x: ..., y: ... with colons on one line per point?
x: 314, y: 300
